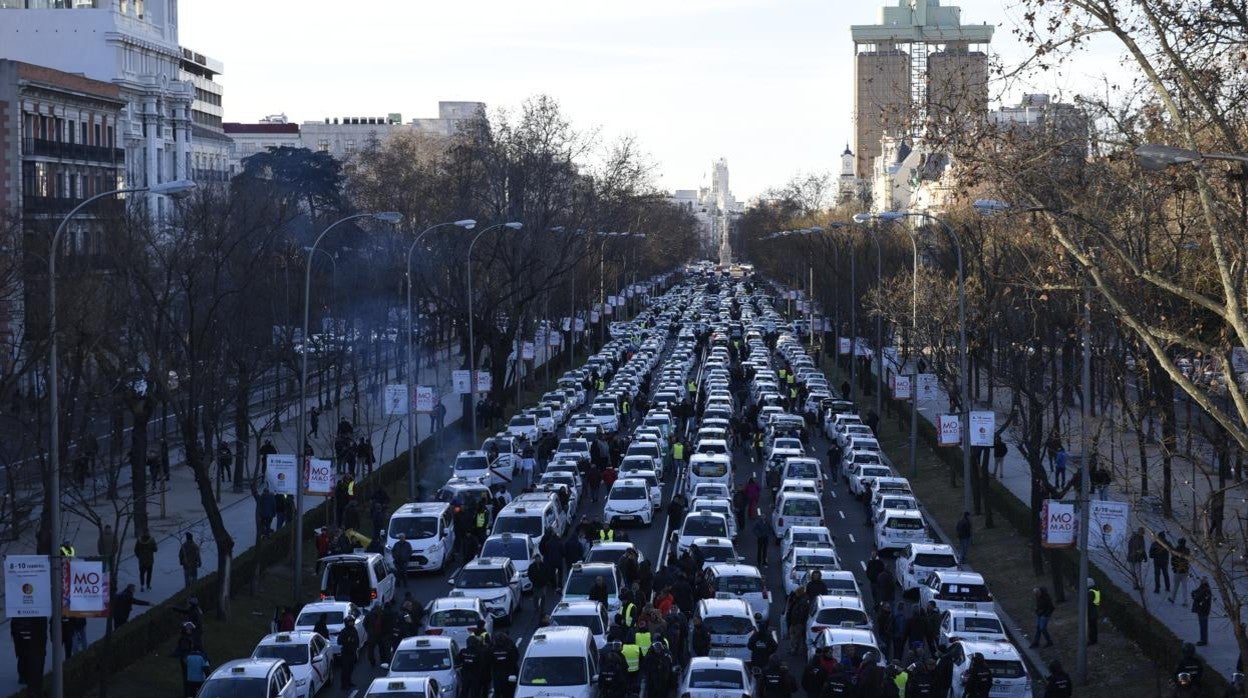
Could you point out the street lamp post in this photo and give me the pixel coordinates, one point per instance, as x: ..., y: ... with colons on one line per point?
x: 879, y: 331
x: 472, y: 340
x: 413, y: 367
x: 297, y: 537
x: 1156, y: 157
x: 174, y: 189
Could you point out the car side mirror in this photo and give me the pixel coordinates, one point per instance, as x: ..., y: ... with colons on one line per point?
x: 512, y: 678
x: 384, y: 665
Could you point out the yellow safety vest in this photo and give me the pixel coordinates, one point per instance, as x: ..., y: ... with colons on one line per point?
x: 792, y: 392
x: 599, y: 385
x: 678, y: 451
x: 625, y: 407
x: 783, y: 373
x: 606, y: 534
x: 1096, y: 596
x: 480, y: 519
x: 901, y: 680
x: 692, y: 387
x: 67, y: 551
x: 351, y: 488
x: 643, y: 642
x: 632, y: 655
x: 792, y: 379
x: 629, y: 609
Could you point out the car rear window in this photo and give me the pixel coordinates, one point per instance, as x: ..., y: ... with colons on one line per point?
x: 715, y: 678
x: 976, y: 624
x: 454, y: 617
x: 728, y: 625
x: 836, y: 616
x: 801, y: 507
x: 739, y: 585
x: 965, y: 592
x: 935, y: 560
x: 904, y: 522
x: 705, y: 527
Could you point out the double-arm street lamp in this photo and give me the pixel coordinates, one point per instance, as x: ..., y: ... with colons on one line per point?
x: 472, y: 340
x: 1156, y: 157
x: 413, y: 368
x: 297, y: 537
x: 176, y: 189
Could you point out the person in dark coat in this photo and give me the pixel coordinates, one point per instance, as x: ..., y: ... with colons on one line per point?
x: 504, y: 663
x: 124, y: 603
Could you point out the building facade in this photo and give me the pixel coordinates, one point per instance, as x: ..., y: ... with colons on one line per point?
x: 343, y: 137
x: 271, y: 132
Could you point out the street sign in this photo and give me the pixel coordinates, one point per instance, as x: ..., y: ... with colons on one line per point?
x: 86, y: 590
x: 426, y: 399
x: 983, y: 424
x: 396, y: 399
x: 927, y: 387
x: 280, y: 473
x: 320, y: 477
x: 485, y: 381
x: 27, y: 586
x: 950, y: 430
x: 462, y: 381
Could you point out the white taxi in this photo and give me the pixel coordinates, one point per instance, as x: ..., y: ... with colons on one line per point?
x: 743, y: 582
x: 250, y: 678
x: 897, y: 528
x: 429, y: 656
x: 970, y: 624
x: 800, y: 559
x: 716, y: 676
x: 629, y: 501
x: 307, y: 655
x: 917, y: 560
x: 1009, y: 672
x: 805, y: 537
x: 495, y: 581
x: 836, y: 612
x: 730, y: 622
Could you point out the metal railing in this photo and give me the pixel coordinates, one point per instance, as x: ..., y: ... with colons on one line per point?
x: 73, y: 151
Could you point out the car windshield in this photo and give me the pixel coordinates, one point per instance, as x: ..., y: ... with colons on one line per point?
x: 453, y: 618
x: 715, y: 678
x: 294, y: 655
x: 634, y: 463
x: 709, y: 468
x: 414, y: 526
x: 836, y: 616
x: 629, y: 493
x: 531, y: 525
x: 904, y: 522
x: 935, y: 560
x: 712, y: 447
x: 739, y: 585
x: 874, y: 472
x: 802, y: 506
x: 579, y: 583
x: 236, y: 687
x: 554, y: 671
x: 481, y: 578
x: 976, y: 624
x: 311, y: 618
x: 728, y: 625
x: 603, y: 411
x: 471, y: 463
x: 810, y: 537
x: 421, y: 660
x: 813, y: 560
x: 717, y: 553
x: 593, y: 621
x: 704, y: 526
x: 522, y: 421
x: 1006, y: 669
x: 514, y: 548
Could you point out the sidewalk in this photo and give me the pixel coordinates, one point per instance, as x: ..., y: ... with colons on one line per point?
x: 1222, y: 651
x: 183, y: 512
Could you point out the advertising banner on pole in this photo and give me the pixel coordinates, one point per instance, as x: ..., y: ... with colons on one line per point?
x: 580, y: 324
x: 1109, y: 521
x: 567, y: 324
x: 1058, y: 524
x: 86, y: 588
x: 426, y: 398
x: 320, y: 477
x: 608, y: 309
x: 485, y: 381
x: 27, y: 586
x: 281, y: 473
x: 462, y: 381
x: 843, y: 345
x: 554, y: 339
x: 983, y: 424
x: 593, y: 317
x: 901, y: 387
x: 950, y: 430
x: 528, y: 351
x: 396, y: 399
x: 927, y: 387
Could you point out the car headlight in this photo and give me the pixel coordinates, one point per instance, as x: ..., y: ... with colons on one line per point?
x: 301, y: 682
x: 435, y: 548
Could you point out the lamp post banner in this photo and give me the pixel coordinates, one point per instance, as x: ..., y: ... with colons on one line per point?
x: 528, y: 351
x: 27, y: 586
x: 567, y: 324
x: 950, y: 430
x: 901, y: 387
x: 320, y: 479
x: 396, y: 399
x: 280, y: 473
x: 983, y: 426
x: 927, y: 387
x: 485, y: 381
x: 1110, y: 522
x: 580, y: 324
x: 1059, y: 523
x: 843, y: 345
x: 86, y: 591
x: 426, y: 399
x: 462, y: 381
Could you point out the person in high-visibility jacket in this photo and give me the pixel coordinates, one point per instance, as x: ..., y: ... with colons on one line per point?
x: 67, y: 550
x: 632, y: 655
x: 606, y: 533
x: 1094, y: 610
x: 642, y: 638
x: 629, y: 613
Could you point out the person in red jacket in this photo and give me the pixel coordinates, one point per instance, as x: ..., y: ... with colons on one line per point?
x: 322, y: 542
x: 608, y: 477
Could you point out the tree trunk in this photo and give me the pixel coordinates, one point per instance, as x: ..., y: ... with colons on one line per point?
x: 141, y: 411
x: 201, y: 466
x: 242, y: 425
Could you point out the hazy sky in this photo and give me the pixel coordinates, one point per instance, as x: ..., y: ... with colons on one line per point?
x: 766, y: 84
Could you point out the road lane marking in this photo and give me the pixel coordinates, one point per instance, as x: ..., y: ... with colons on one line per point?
x: 841, y: 513
x: 864, y: 565
x: 851, y: 538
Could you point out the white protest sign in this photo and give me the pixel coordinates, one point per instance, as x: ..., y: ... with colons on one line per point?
x: 901, y: 387
x: 983, y: 424
x: 27, y: 586
x: 396, y: 399
x: 320, y: 477
x: 593, y: 317
x: 554, y: 339
x: 86, y: 588
x: 950, y: 430
x: 1109, y: 521
x: 1058, y: 525
x: 927, y: 387
x: 485, y: 381
x: 567, y: 324
x: 528, y: 351
x: 426, y: 398
x: 462, y: 381
x: 280, y: 474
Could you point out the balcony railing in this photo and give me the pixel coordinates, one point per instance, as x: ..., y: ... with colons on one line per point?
x: 210, y: 176
x: 59, y: 205
x: 73, y: 151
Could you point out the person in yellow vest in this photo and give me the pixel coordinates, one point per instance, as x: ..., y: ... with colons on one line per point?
x: 67, y: 550
x: 482, y: 519
x: 606, y: 533
x: 632, y: 655
x: 1094, y: 610
x: 624, y: 407
x: 678, y: 453
x: 791, y: 379
x: 629, y: 613
x: 600, y: 385
x: 642, y: 637
x: 782, y: 374
x: 692, y: 388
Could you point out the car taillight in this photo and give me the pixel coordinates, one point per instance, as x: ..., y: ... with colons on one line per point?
x: 323, y: 596
x: 766, y: 595
x: 372, y: 594
x: 780, y: 521
x: 818, y: 629
x: 433, y: 631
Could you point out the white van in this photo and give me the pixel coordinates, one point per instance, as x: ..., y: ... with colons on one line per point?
x: 705, y: 467
x: 796, y: 509
x: 560, y: 660
x: 530, y: 518
x: 365, y: 579
x: 430, y: 531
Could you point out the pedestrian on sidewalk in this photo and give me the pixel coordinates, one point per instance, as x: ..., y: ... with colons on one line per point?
x: 1181, y: 565
x: 314, y: 419
x: 1202, y: 603
x: 1159, y: 552
x: 225, y: 461
x: 999, y: 449
x: 964, y: 536
x: 1044, y: 612
x: 1051, y: 447
x: 145, y: 553
x: 188, y: 557
x: 1059, y: 467
x: 268, y: 449
x: 1094, y: 608
x: 123, y: 603
x: 1136, y: 556
x: 164, y: 459
x: 153, y: 468
x: 266, y: 509
x: 107, y: 547
x: 367, y: 456
x: 1100, y: 480
x: 195, y: 673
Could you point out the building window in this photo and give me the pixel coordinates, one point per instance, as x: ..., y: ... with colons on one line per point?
x: 323, y: 145
x: 97, y: 140
x: 350, y: 146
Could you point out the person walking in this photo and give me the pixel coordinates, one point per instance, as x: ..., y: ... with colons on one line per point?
x: 541, y: 576
x: 195, y: 673
x: 145, y: 553
x: 1044, y: 612
x: 314, y: 421
x: 1059, y: 467
x: 348, y: 652
x: 964, y: 536
x: 1094, y: 608
x: 123, y: 604
x: 1159, y: 553
x: 401, y: 555
x: 188, y: 557
x: 107, y: 547
x: 1136, y: 555
x: 999, y: 449
x: 762, y: 535
x: 1180, y: 565
x: 1202, y: 603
